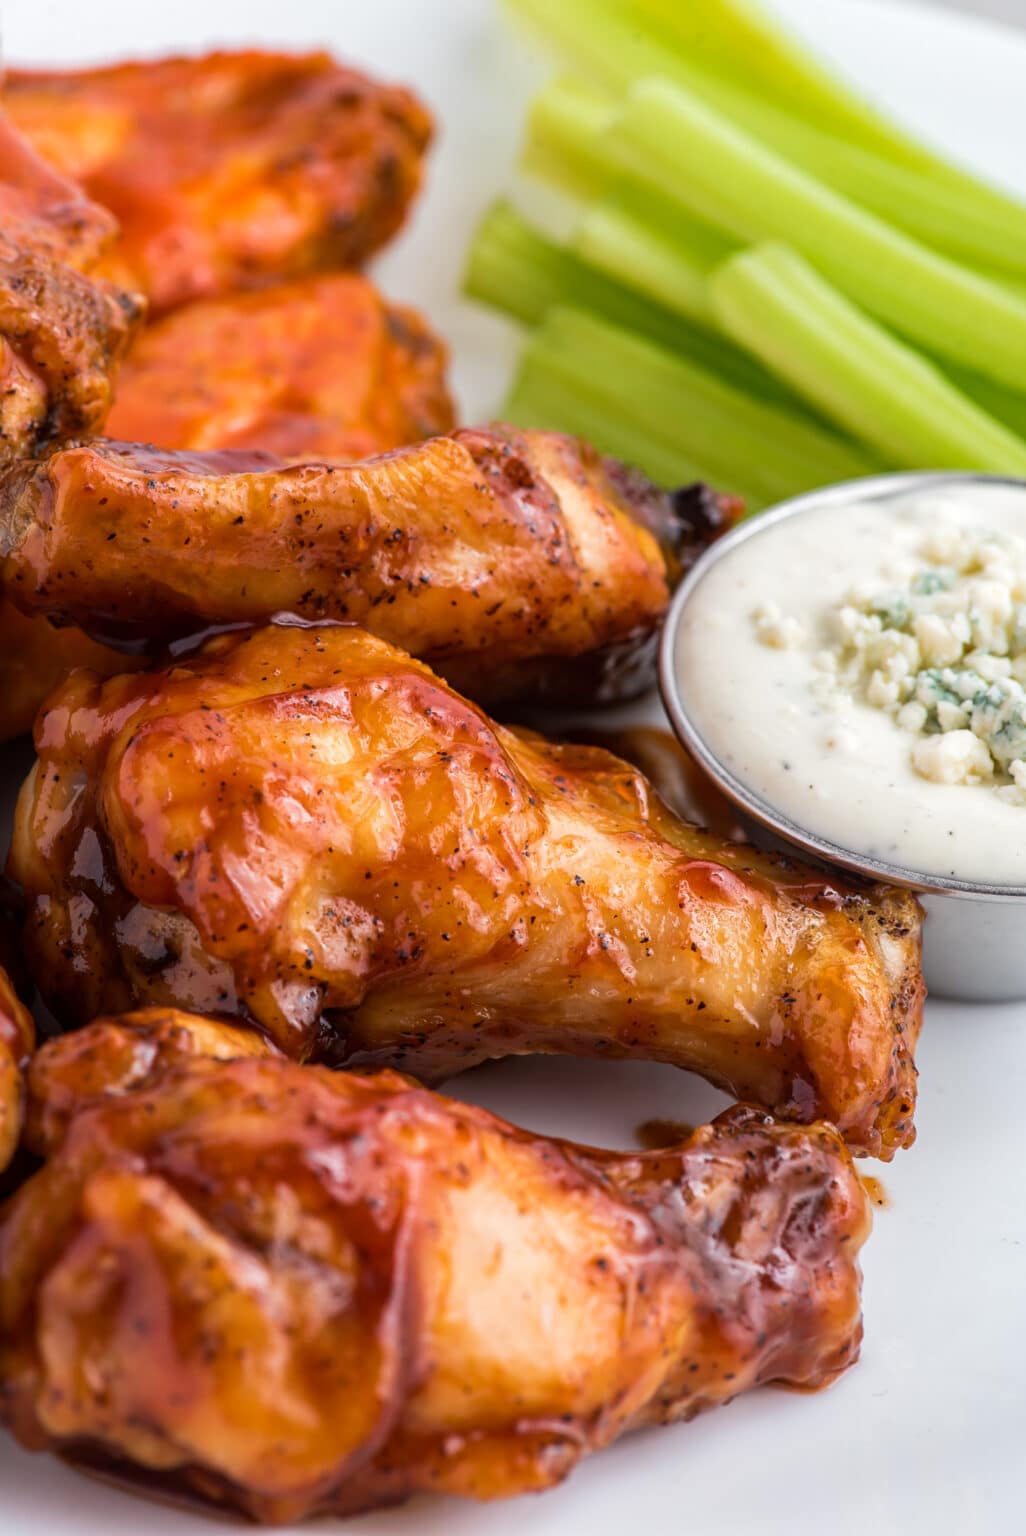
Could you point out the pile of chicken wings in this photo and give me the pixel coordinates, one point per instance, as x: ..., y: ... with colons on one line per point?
x: 275, y: 868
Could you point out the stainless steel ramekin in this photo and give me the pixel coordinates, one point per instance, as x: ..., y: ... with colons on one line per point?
x: 974, y: 944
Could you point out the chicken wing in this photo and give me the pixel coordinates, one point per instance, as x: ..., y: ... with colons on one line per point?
x: 296, y: 1291
x: 673, y: 773
x: 62, y: 335
x: 307, y: 829
x: 62, y: 331
x: 231, y: 170
x: 499, y: 555
x: 114, y: 1056
x: 17, y: 1038
x: 322, y: 368
x: 35, y: 657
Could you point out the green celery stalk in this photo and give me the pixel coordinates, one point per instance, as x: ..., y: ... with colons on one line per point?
x: 746, y: 65
x: 668, y: 259
x: 541, y: 399
x: 513, y: 268
x: 945, y: 215
x: 670, y: 140
x: 775, y: 452
x: 742, y: 41
x: 598, y: 38
x: 1006, y: 405
x: 872, y: 385
x: 564, y: 139
x: 561, y: 397
x: 565, y: 145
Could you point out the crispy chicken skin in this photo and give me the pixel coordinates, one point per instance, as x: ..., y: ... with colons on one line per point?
x: 231, y: 170
x: 296, y: 1291
x: 322, y: 368
x: 62, y: 331
x: 307, y: 829
x: 17, y: 1038
x: 491, y: 552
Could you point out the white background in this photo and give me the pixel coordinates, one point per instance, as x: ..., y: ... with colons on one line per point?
x: 1001, y: 10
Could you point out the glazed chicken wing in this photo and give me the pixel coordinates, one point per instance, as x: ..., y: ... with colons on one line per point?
x: 499, y: 555
x: 35, y: 657
x: 17, y: 1038
x: 307, y: 829
x: 322, y: 368
x: 231, y: 170
x: 114, y: 1056
x: 62, y: 331
x: 296, y: 1291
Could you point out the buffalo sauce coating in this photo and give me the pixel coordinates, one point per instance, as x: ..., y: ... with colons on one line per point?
x: 309, y: 830
x: 229, y: 170
x: 63, y: 330
x: 321, y: 1292
x: 314, y: 369
x: 483, y: 549
x: 877, y: 1191
x: 673, y: 773
x: 117, y: 1055
x: 17, y: 1038
x: 35, y: 657
x: 62, y: 335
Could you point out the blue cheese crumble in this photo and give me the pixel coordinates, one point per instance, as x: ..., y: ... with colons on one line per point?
x: 943, y: 651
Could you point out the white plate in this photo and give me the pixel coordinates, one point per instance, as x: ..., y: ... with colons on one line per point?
x: 925, y: 1434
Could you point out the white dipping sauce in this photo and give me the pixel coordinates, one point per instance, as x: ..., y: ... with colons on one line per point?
x: 829, y: 762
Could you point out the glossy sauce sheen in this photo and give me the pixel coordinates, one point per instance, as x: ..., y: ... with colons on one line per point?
x: 491, y: 551
x: 307, y: 1291
x: 756, y: 709
x: 318, y: 369
x: 17, y: 1039
x: 63, y: 330
x: 307, y: 829
x: 231, y: 169
x: 877, y: 1192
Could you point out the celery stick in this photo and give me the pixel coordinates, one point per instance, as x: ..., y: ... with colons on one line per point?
x: 1007, y: 405
x: 565, y: 379
x: 617, y: 243
x: 596, y: 37
x: 513, y: 268
x: 735, y: 45
x: 669, y: 259
x: 540, y: 399
x: 739, y: 39
x: 670, y: 140
x: 565, y: 146
x: 873, y: 386
x: 751, y: 464
x: 946, y: 216
x: 736, y: 59
x: 564, y: 142
x: 775, y: 451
